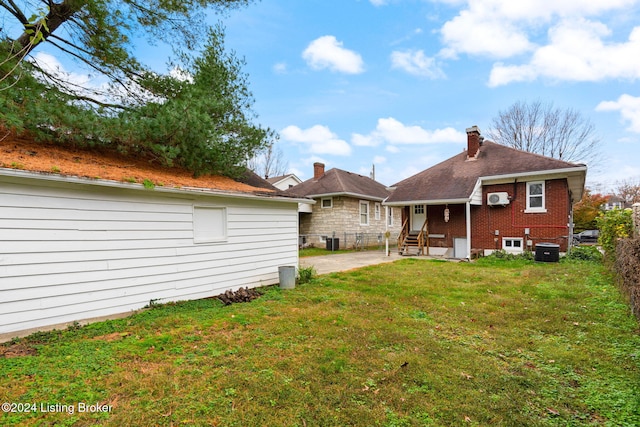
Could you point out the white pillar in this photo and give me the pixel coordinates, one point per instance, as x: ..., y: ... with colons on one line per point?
x: 468, y: 214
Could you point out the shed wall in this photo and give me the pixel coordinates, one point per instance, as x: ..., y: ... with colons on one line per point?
x: 70, y: 252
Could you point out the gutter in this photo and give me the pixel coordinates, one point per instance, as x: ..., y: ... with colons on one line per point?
x: 74, y: 180
x: 427, y: 202
x: 355, y: 195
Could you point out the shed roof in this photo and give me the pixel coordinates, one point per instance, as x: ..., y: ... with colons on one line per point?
x: 340, y: 182
x: 456, y: 178
x: 25, y: 154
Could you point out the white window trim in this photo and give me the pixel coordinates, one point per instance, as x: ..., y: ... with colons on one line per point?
x: 367, y: 213
x: 389, y: 215
x: 330, y: 199
x: 510, y: 249
x: 542, y: 209
x: 418, y: 207
x: 377, y: 210
x: 203, y: 234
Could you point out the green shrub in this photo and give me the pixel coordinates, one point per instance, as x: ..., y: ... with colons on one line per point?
x: 584, y: 253
x: 306, y: 274
x: 614, y: 225
x: 502, y: 254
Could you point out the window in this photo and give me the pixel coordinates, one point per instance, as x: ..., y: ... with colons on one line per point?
x: 364, y: 213
x: 209, y: 224
x: 327, y: 203
x: 535, y: 197
x: 377, y: 209
x: 512, y: 245
x: 389, y: 216
x: 418, y: 209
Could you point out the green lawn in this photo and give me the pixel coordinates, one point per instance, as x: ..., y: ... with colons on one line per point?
x: 411, y: 343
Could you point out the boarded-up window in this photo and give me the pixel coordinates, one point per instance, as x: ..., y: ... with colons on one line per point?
x: 209, y: 224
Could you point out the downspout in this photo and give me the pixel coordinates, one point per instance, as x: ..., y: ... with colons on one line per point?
x: 387, y: 212
x: 468, y: 213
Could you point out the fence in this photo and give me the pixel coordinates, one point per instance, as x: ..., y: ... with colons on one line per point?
x: 333, y: 241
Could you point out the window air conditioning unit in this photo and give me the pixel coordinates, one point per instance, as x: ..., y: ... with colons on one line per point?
x: 495, y: 199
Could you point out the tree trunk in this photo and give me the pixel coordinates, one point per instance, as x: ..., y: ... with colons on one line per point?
x: 59, y: 13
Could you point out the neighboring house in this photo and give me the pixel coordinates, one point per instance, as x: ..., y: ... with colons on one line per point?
x: 615, y: 202
x: 488, y: 198
x: 284, y: 182
x: 348, y: 207
x: 75, y: 248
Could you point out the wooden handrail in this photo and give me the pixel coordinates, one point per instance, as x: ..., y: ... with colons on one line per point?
x: 403, y: 233
x: 421, y: 237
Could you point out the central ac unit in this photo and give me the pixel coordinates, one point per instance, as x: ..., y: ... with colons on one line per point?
x: 494, y: 199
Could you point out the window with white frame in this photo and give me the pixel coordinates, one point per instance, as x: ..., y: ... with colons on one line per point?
x: 389, y: 210
x: 364, y: 213
x: 418, y: 209
x: 209, y: 224
x: 377, y: 211
x: 513, y: 245
x: 535, y: 197
x: 326, y: 203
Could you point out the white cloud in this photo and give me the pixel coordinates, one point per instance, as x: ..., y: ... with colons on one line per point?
x: 629, y: 107
x: 52, y: 65
x: 416, y: 63
x: 392, y: 149
x: 478, y: 33
x: 327, y: 52
x: 378, y: 2
x: 378, y: 160
x: 392, y: 131
x: 280, y: 68
x: 318, y: 139
x: 563, y: 40
x: 576, y: 52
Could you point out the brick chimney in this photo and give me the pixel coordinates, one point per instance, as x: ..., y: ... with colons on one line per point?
x: 318, y: 170
x: 474, y: 142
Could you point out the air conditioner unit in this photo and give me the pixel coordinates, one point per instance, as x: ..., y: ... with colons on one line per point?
x: 495, y: 199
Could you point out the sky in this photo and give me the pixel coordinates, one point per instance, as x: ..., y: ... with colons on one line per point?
x: 395, y: 83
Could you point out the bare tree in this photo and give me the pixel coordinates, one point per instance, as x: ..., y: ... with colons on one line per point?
x: 544, y: 129
x: 269, y: 162
x: 628, y: 190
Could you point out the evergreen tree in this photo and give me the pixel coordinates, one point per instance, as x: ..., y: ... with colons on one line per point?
x: 200, y: 118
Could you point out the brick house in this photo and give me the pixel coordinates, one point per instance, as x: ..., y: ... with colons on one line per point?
x: 490, y: 197
x: 348, y: 207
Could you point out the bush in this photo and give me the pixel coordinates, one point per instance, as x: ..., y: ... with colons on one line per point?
x: 627, y: 267
x: 502, y: 254
x: 614, y: 225
x: 584, y: 253
x: 306, y: 274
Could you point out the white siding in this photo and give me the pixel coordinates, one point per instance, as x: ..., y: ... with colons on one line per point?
x: 70, y: 252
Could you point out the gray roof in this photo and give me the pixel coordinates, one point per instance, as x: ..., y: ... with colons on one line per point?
x: 457, y: 177
x: 339, y: 182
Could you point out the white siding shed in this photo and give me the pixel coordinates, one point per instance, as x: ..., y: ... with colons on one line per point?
x: 73, y: 249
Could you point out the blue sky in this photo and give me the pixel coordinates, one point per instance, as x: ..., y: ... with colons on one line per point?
x: 395, y: 83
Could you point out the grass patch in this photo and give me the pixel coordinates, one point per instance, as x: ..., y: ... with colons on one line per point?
x: 410, y: 343
x: 307, y: 252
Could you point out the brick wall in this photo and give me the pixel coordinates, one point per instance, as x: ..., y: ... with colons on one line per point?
x: 512, y: 220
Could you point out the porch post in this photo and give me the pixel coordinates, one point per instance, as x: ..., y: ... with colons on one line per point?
x: 468, y: 214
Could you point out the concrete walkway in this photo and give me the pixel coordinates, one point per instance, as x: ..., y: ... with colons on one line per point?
x: 340, y: 262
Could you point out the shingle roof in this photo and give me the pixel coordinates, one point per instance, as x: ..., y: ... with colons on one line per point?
x: 456, y: 178
x: 337, y: 181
